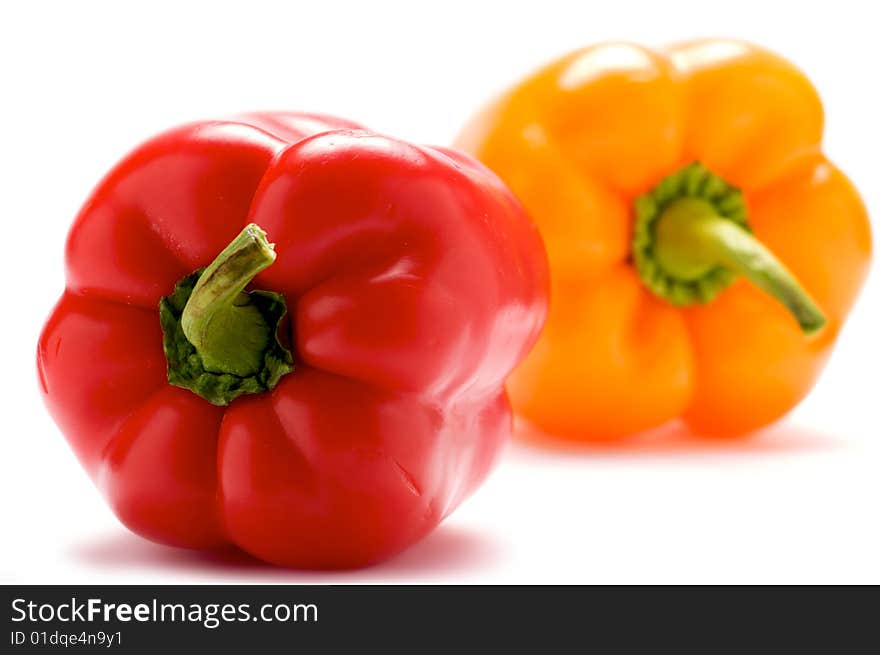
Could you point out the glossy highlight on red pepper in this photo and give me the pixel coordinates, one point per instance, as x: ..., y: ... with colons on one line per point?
x: 414, y: 284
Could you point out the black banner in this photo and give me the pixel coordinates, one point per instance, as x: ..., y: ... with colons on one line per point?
x: 418, y: 618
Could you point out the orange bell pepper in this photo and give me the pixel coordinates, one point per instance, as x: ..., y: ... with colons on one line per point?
x: 704, y: 253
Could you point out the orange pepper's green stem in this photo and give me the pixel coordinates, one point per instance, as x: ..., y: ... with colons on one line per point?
x: 691, y: 239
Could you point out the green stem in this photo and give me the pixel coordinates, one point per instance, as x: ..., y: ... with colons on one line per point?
x: 691, y: 240
x: 220, y: 320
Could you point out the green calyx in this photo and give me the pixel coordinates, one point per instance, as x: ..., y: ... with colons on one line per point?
x: 221, y: 341
x: 692, y: 239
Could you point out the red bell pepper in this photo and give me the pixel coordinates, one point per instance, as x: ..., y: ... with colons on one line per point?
x: 414, y: 284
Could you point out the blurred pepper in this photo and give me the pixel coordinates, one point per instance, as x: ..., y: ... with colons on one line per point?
x: 704, y: 253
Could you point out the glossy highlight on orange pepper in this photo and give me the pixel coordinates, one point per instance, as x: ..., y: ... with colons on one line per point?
x: 669, y: 185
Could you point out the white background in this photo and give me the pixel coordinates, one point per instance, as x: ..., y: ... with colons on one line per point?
x: 83, y: 82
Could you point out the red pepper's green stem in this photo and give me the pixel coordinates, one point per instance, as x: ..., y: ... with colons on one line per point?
x: 227, y: 330
x: 691, y: 239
